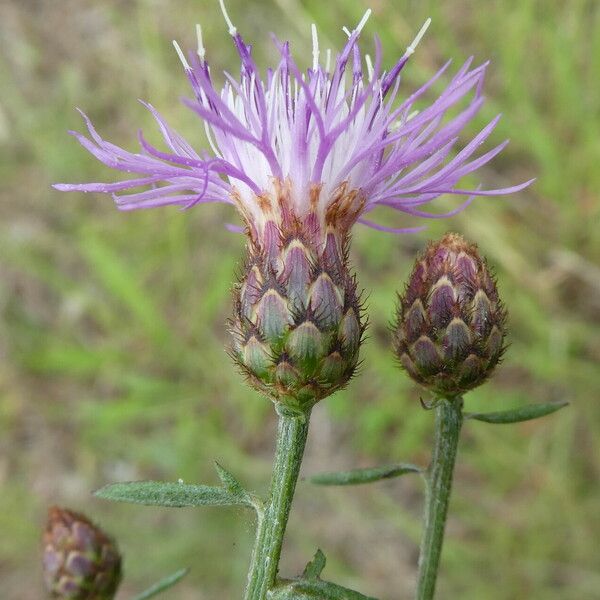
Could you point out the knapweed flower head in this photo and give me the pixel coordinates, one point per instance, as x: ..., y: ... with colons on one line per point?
x: 80, y: 561
x: 304, y: 155
x: 450, y: 323
x: 326, y: 145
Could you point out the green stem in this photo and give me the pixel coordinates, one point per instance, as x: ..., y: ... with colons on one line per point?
x: 448, y: 421
x: 291, y: 440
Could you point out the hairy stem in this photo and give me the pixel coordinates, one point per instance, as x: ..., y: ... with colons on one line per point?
x: 448, y: 421
x: 291, y: 440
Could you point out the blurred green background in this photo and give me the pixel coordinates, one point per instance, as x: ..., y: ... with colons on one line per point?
x: 112, y: 364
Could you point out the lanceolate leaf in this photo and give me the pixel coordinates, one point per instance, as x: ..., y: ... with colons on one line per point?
x: 359, y: 476
x: 163, y: 584
x: 314, y: 589
x: 523, y: 413
x: 158, y: 493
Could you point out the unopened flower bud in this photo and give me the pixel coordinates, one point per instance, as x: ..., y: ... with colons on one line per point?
x: 80, y: 561
x: 450, y: 323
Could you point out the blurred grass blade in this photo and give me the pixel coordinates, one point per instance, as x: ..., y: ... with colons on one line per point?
x: 314, y: 589
x: 122, y: 282
x: 359, y: 476
x: 315, y: 567
x: 178, y: 495
x: 524, y: 413
x: 163, y: 584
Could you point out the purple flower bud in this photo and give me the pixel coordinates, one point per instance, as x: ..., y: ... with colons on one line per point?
x: 450, y: 323
x: 80, y: 561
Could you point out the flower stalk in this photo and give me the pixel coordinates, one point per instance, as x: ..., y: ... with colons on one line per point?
x: 291, y: 440
x: 448, y: 422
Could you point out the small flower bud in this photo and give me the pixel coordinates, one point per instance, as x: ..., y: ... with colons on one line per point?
x: 450, y: 322
x: 80, y: 561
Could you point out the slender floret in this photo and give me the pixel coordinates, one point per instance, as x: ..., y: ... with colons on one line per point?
x: 303, y: 156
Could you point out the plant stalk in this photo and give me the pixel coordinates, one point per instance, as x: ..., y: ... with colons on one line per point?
x: 291, y: 439
x: 448, y: 422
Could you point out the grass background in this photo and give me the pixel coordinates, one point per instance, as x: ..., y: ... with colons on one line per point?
x: 112, y: 364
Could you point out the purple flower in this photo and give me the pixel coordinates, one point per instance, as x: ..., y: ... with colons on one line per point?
x: 322, y: 147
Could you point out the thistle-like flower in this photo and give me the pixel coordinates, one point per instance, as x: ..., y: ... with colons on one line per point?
x: 450, y: 323
x: 80, y: 561
x: 303, y: 156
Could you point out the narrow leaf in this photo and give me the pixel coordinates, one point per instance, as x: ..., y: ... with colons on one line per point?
x: 523, y: 413
x: 163, y: 584
x: 158, y: 493
x: 359, y: 476
x: 315, y: 567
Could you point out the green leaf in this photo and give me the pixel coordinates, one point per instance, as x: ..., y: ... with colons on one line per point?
x: 310, y: 587
x: 159, y: 493
x: 315, y: 589
x: 233, y: 486
x: 359, y: 476
x: 315, y: 567
x: 523, y: 413
x: 230, y: 483
x: 288, y: 592
x: 163, y: 584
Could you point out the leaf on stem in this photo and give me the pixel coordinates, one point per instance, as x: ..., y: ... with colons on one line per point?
x: 359, y: 476
x: 163, y: 584
x: 231, y: 484
x: 313, y: 589
x: 516, y: 415
x: 315, y: 567
x: 178, y: 495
